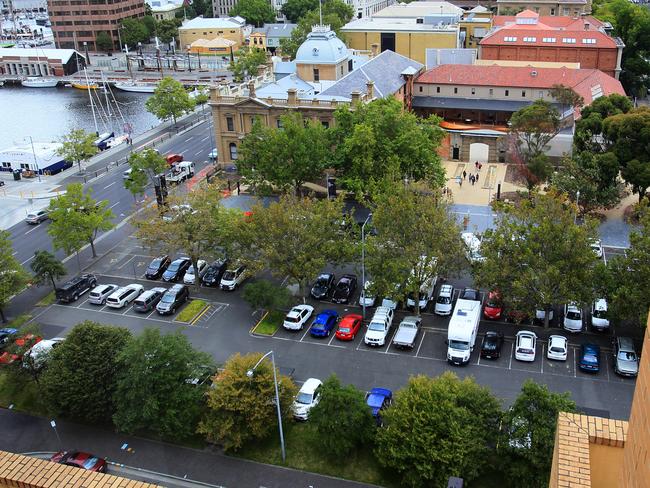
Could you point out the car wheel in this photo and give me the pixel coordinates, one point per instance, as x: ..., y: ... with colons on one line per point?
x: 75, y: 297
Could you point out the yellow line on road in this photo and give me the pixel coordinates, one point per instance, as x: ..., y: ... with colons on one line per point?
x: 196, y: 319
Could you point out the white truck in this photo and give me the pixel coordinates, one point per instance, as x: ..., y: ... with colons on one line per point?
x: 180, y: 172
x: 407, y: 333
x: 463, y: 327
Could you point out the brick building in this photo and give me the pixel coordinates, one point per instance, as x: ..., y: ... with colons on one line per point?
x: 77, y: 21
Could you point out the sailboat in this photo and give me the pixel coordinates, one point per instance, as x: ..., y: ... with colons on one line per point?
x: 39, y: 81
x: 136, y: 86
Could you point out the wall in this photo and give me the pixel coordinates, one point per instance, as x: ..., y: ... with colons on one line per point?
x: 481, y: 92
x: 602, y: 459
x: 325, y: 71
x: 188, y: 36
x: 556, y: 9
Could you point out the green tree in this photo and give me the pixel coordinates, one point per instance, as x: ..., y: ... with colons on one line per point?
x: 104, y: 42
x: 133, y: 31
x: 352, y: 429
x: 284, y: 158
x: 170, y: 100
x: 246, y: 63
x: 589, y: 127
x: 47, y: 268
x: 80, y: 379
x: 167, y: 30
x: 150, y: 24
x: 294, y: 10
x: 77, y: 146
x: 266, y: 295
x: 77, y: 218
x: 256, y: 12
x: 145, y: 166
x: 536, y: 255
x: 566, y: 96
x: 13, y: 277
x: 152, y: 392
x: 242, y: 408
x: 381, y: 139
x: 529, y: 433
x: 437, y: 428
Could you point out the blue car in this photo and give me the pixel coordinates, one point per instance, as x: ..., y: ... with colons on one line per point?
x: 324, y: 323
x: 378, y: 399
x: 5, y: 334
x: 589, y: 358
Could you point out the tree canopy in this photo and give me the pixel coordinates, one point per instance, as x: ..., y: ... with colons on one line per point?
x: 78, y: 146
x: 145, y: 166
x: 47, y: 268
x: 103, y: 41
x: 589, y: 127
x: 245, y: 64
x: 170, y: 100
x: 256, y: 12
x: 294, y: 10
x: 12, y: 275
x: 167, y: 29
x: 134, y: 31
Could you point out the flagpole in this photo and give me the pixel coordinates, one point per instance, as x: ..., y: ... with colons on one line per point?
x: 320, y: 11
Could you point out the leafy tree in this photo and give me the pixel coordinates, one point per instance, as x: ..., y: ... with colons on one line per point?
x: 437, y: 428
x: 202, y: 7
x: 417, y: 239
x: 12, y: 275
x: 150, y: 24
x: 529, y: 433
x: 104, y: 42
x: 266, y: 295
x: 298, y: 237
x: 77, y: 146
x: 145, y: 166
x: 589, y: 127
x: 532, y: 127
x: 242, y: 408
x: 80, y: 379
x: 294, y: 10
x: 154, y: 373
x: 47, y: 268
x: 537, y: 255
x: 134, y: 31
x: 167, y: 30
x: 256, y: 12
x: 354, y: 424
x: 567, y: 97
x: 77, y: 218
x: 170, y: 100
x: 246, y: 63
x: 380, y: 139
x: 284, y: 158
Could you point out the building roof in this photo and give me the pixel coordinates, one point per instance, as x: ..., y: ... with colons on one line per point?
x: 62, y: 55
x: 418, y: 9
x: 217, y: 23
x: 284, y: 67
x: 279, y: 30
x: 216, y: 42
x: 43, y: 150
x: 385, y: 24
x: 278, y: 89
x: 321, y: 47
x: 470, y: 103
x: 543, y: 35
x: 168, y: 7
x: 565, y: 22
x: 385, y: 70
x: 435, y: 57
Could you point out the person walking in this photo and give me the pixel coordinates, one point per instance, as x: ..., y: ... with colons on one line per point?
x: 464, y: 174
x: 476, y: 165
x: 480, y: 165
x: 471, y: 179
x: 476, y: 177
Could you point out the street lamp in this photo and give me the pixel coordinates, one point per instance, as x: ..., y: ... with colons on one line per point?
x: 38, y: 171
x: 575, y: 217
x: 250, y: 373
x: 363, y: 264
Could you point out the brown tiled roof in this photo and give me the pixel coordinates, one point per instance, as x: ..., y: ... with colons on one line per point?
x: 556, y: 22
x: 539, y: 32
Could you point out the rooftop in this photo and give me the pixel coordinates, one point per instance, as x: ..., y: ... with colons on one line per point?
x: 543, y: 35
x: 396, y: 24
x: 218, y: 23
x: 63, y: 55
x: 556, y: 22
x: 321, y: 47
x: 418, y: 9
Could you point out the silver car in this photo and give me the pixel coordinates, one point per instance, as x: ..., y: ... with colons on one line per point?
x: 626, y: 361
x: 37, y: 217
x: 100, y: 293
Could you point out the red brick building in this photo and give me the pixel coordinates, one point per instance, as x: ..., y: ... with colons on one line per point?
x: 529, y: 37
x: 77, y: 21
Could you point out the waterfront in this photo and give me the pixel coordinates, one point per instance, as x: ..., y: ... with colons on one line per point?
x: 47, y: 114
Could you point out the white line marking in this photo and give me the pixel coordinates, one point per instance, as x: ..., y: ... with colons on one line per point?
x: 126, y: 262
x: 30, y: 231
x: 14, y: 253
x: 424, y: 332
x: 303, y: 336
x: 26, y: 261
x: 543, y: 345
x: 512, y: 351
x: 198, y: 153
x: 205, y: 138
x: 115, y: 204
x: 189, y: 139
x: 109, y: 185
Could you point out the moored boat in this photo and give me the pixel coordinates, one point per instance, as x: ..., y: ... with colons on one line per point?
x: 85, y: 86
x: 138, y: 87
x: 39, y: 82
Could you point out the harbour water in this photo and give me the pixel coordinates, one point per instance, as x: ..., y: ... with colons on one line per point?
x: 47, y: 114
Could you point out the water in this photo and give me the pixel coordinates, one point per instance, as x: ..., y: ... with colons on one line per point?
x: 47, y: 114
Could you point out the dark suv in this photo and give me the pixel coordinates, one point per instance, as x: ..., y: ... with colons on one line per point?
x: 157, y: 267
x: 72, y: 289
x: 172, y: 299
x: 176, y: 270
x: 212, y: 276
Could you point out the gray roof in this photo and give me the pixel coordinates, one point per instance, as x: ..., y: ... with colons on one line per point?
x: 437, y: 57
x: 470, y: 103
x: 278, y: 89
x: 385, y: 70
x: 279, y: 30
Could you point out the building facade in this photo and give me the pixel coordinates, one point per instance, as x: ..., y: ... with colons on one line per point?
x: 545, y: 7
x: 77, y: 22
x: 231, y: 28
x: 322, y: 56
x: 166, y: 12
x: 368, y: 8
x: 40, y: 62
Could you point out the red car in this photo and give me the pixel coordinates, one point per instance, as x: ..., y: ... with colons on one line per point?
x: 18, y: 348
x: 81, y: 460
x: 348, y: 327
x: 493, y: 306
x: 174, y: 158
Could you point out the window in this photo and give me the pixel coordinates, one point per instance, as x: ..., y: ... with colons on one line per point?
x: 589, y: 41
x: 420, y: 88
x: 507, y: 93
x: 523, y: 93
x: 473, y: 91
x: 530, y: 39
x: 455, y: 90
x: 325, y: 123
x: 278, y: 122
x: 341, y: 70
x: 316, y: 74
x: 491, y: 91
x: 230, y: 124
x: 233, y: 151
x: 437, y: 89
x: 540, y: 94
x: 569, y: 40
x: 549, y: 39
x: 510, y: 39
x: 552, y: 11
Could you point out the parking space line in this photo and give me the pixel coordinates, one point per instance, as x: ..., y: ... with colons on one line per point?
x: 117, y: 313
x: 478, y: 361
x: 512, y: 352
x: 121, y: 266
x: 607, y: 366
x: 424, y: 332
x: 543, y: 346
x: 304, y: 335
x: 331, y: 339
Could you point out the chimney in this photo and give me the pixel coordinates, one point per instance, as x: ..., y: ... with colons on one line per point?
x: 356, y: 98
x: 261, y: 70
x: 370, y: 89
x: 374, y: 49
x: 587, y: 25
x: 251, y: 89
x: 292, y: 96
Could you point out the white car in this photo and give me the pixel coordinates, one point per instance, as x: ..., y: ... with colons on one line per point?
x: 365, y: 298
x: 379, y: 327
x: 444, y: 301
x: 125, y: 295
x: 202, y: 266
x: 37, y: 355
x: 572, y: 317
x: 298, y: 317
x: 473, y: 247
x: 232, y: 278
x: 100, y: 293
x: 307, y: 398
x: 214, y: 154
x: 599, y: 320
x: 558, y: 348
x: 597, y: 247
x: 525, y: 346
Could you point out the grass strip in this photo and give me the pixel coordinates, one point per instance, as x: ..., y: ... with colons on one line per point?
x: 192, y: 309
x: 270, y: 323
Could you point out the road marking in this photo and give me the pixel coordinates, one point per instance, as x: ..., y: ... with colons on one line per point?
x: 189, y: 139
x: 543, y: 345
x: 14, y: 253
x: 332, y: 338
x: 417, y: 353
x: 303, y: 336
x: 115, y: 204
x: 109, y: 185
x: 205, y: 138
x: 512, y: 351
x: 26, y: 260
x: 198, y: 153
x: 29, y: 232
x: 126, y: 262
x: 196, y: 319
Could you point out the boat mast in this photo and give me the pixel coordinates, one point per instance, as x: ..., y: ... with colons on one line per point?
x: 109, y: 115
x: 92, y: 106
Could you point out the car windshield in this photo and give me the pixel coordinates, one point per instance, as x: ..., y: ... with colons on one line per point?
x: 557, y: 349
x: 174, y: 266
x: 378, y: 326
x: 493, y: 302
x: 155, y: 263
x: 167, y: 298
x: 490, y: 343
x: 626, y: 356
x: 589, y: 358
x: 321, y: 281
x: 600, y: 314
x: 229, y: 275
x: 190, y: 270
x: 304, y: 398
x: 345, y: 330
x: 573, y: 315
x: 460, y: 345
x: 444, y: 300
x: 343, y: 285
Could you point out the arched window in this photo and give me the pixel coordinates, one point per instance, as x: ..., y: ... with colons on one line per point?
x: 233, y: 151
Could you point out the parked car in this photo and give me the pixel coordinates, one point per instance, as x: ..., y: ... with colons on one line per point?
x: 525, y: 346
x: 232, y: 278
x: 444, y: 302
x: 379, y: 327
x: 540, y: 315
x: 558, y: 348
x: 100, y: 293
x: 348, y: 327
x: 424, y: 295
x: 157, y: 267
x: 202, y: 266
x: 626, y: 361
x: 177, y: 268
x: 589, y: 358
x: 307, y: 398
x: 572, y: 317
x: 470, y: 294
x: 472, y: 247
x: 36, y: 356
x: 492, y: 344
x: 172, y: 158
x: 81, y: 460
x: 298, y: 317
x: 407, y: 333
x: 148, y: 300
x: 366, y: 297
x: 21, y: 345
x: 599, y: 319
x: 493, y: 306
x: 213, y: 155
x: 125, y: 295
x: 324, y: 323
x: 71, y: 290
x: 322, y: 286
x: 378, y: 399
x: 345, y: 288
x: 213, y: 274
x: 6, y: 334
x: 37, y: 216
x: 172, y: 299
x: 597, y: 247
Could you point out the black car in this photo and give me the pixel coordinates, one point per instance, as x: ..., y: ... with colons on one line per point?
x: 157, y: 267
x: 491, y: 347
x: 322, y: 287
x: 212, y: 276
x: 172, y: 299
x: 344, y: 288
x: 176, y: 270
x: 470, y: 294
x: 72, y: 289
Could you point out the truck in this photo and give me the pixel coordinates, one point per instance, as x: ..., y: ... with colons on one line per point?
x: 180, y: 172
x: 407, y: 333
x: 463, y: 328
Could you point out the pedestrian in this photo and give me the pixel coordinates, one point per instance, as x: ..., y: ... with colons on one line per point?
x: 480, y: 165
x: 238, y: 190
x: 460, y: 182
x: 476, y: 164
x: 464, y: 174
x: 471, y: 179
x: 476, y: 177
x: 228, y: 185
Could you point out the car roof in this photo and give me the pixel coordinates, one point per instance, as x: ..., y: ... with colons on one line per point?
x: 376, y: 397
x: 351, y: 317
x: 310, y: 385
x: 590, y: 348
x: 446, y: 289
x: 411, y: 319
x: 526, y: 333
x: 600, y: 304
x: 328, y: 312
x: 625, y: 343
x: 557, y: 338
x: 176, y: 288
x: 491, y: 334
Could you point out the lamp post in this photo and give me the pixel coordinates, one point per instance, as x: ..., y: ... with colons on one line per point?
x: 38, y: 171
x: 363, y: 264
x: 575, y: 217
x: 189, y: 60
x: 250, y: 373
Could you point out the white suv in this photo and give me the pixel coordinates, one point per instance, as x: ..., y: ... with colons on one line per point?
x: 124, y: 296
x: 307, y: 398
x: 525, y: 346
x: 445, y: 300
x: 572, y: 317
x: 298, y: 317
x: 558, y: 347
x: 599, y: 320
x: 379, y: 327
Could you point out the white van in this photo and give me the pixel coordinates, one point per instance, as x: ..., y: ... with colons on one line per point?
x: 473, y: 245
x: 425, y: 296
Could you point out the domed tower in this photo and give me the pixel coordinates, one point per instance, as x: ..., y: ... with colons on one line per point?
x: 322, y: 56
